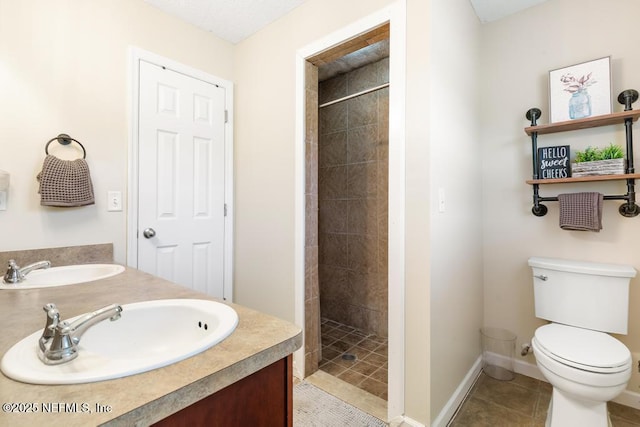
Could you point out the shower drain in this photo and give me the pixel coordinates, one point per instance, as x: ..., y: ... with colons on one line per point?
x: 348, y: 356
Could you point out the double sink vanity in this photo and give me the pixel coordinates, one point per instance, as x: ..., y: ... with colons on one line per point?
x: 158, y: 353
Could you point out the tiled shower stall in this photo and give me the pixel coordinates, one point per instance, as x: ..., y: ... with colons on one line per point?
x: 346, y: 204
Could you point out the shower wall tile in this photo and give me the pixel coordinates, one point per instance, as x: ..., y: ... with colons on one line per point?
x: 377, y: 293
x: 310, y: 316
x: 362, y: 253
x: 336, y: 283
x: 311, y: 220
x: 383, y: 70
x: 333, y: 88
x: 379, y: 321
x: 362, y: 216
x: 311, y: 169
x: 353, y: 207
x: 333, y: 216
x: 362, y: 144
x: 363, y: 287
x: 311, y: 76
x: 311, y: 112
x: 333, y: 118
x: 363, y: 78
x: 311, y: 274
x: 333, y: 274
x: 383, y: 197
x: 333, y: 149
x: 363, y: 110
x: 362, y: 181
x: 333, y: 183
x: 314, y: 274
x: 312, y: 328
x: 311, y: 362
x: 383, y: 257
x: 383, y: 123
x: 333, y: 250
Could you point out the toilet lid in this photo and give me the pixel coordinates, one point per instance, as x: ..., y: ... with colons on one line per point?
x: 583, y: 348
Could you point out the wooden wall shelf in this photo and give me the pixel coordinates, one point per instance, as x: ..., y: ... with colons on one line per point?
x: 590, y: 122
x: 585, y: 179
x: 626, y: 117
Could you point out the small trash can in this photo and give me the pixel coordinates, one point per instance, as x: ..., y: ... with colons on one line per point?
x: 498, y: 353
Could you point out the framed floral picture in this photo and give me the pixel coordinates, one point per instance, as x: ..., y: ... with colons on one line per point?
x: 580, y: 91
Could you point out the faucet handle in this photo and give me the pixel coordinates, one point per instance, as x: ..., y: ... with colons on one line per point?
x: 63, y: 348
x: 53, y: 317
x: 13, y: 274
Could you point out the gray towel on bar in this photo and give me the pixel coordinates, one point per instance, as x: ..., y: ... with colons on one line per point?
x: 65, y: 183
x: 581, y: 211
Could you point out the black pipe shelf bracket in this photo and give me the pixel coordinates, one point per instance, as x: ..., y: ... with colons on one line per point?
x: 628, y: 116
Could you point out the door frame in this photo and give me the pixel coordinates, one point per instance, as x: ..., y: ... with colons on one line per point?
x: 135, y: 56
x: 395, y: 14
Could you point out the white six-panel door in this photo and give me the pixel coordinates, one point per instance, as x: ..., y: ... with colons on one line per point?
x: 181, y: 176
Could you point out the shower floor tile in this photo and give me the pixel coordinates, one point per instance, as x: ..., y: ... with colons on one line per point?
x: 355, y: 357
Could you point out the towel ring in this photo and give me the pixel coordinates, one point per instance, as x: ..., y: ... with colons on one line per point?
x: 65, y: 139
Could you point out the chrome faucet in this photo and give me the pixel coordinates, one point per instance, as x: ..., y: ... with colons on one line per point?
x: 16, y: 274
x: 59, y: 341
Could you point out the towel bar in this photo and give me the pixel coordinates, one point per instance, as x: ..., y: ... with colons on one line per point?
x: 64, y: 139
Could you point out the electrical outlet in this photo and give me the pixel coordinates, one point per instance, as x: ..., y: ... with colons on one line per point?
x: 634, y: 382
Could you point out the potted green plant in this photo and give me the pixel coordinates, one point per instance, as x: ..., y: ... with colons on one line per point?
x: 598, y: 161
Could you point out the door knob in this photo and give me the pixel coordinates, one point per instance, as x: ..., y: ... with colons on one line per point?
x: 149, y: 233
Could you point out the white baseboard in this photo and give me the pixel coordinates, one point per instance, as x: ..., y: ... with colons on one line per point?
x: 458, y: 395
x: 411, y: 422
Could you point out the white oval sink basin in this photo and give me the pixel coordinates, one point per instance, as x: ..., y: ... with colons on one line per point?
x: 65, y: 275
x: 148, y: 335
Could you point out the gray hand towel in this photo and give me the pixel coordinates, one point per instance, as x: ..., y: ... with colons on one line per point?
x: 65, y: 183
x: 581, y: 211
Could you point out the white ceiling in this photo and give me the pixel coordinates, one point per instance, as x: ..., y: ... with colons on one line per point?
x: 231, y: 20
x: 235, y: 20
x: 492, y: 10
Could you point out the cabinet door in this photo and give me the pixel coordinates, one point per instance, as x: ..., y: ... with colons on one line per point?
x: 264, y: 398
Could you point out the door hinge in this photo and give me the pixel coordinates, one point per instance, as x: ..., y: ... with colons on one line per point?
x: 225, y: 209
x: 226, y: 116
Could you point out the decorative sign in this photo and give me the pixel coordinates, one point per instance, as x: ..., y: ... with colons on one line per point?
x: 553, y: 162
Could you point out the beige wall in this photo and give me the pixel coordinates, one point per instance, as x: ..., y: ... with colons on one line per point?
x: 517, y: 54
x: 64, y: 69
x: 265, y: 112
x: 455, y: 167
x: 265, y: 145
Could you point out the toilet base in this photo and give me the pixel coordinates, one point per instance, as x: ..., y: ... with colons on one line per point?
x: 566, y: 410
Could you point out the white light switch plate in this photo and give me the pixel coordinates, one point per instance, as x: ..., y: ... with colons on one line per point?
x: 114, y: 201
x: 441, y: 200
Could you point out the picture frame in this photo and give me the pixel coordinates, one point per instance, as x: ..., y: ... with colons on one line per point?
x: 580, y: 91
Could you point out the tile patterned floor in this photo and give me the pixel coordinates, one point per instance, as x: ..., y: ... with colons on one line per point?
x: 369, y: 368
x: 520, y: 402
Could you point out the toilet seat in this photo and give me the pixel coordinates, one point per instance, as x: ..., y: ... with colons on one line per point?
x: 584, y: 349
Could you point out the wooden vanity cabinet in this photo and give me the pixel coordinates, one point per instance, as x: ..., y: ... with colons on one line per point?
x: 264, y: 398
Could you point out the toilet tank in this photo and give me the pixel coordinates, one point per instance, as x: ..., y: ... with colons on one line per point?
x: 582, y: 294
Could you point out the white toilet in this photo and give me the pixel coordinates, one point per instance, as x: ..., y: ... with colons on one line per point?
x: 586, y: 366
